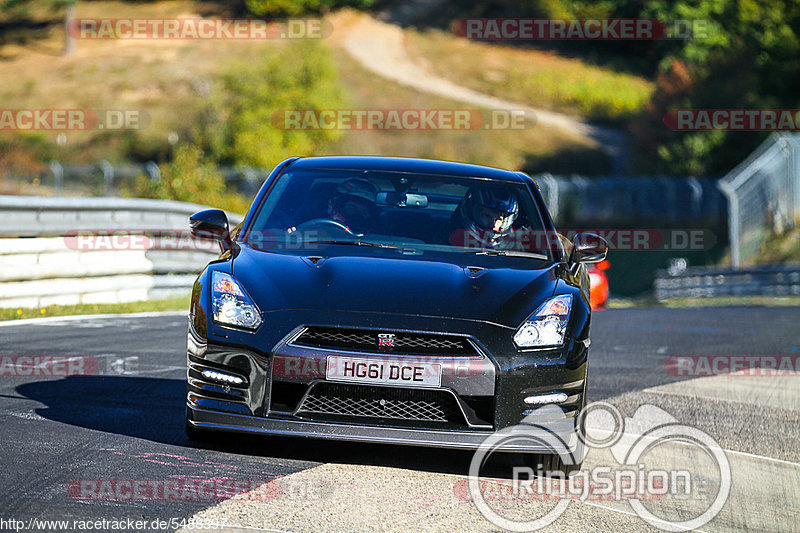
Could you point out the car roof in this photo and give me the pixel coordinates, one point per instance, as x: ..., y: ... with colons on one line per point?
x: 410, y: 165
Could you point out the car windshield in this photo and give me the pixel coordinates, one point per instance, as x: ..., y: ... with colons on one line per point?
x: 410, y: 212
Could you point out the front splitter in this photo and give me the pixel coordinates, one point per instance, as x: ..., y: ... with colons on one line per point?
x: 535, y: 438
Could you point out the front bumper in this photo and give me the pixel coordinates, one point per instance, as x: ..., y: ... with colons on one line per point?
x: 537, y: 440
x: 251, y: 407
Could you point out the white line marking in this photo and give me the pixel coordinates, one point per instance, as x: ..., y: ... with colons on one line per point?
x: 754, y: 456
x: 27, y: 416
x: 629, y: 513
x: 726, y: 450
x: 72, y: 318
x: 706, y: 397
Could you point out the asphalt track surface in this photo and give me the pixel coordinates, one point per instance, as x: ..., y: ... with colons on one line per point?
x: 124, y: 421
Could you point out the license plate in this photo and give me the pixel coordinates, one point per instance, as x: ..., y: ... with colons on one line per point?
x: 386, y: 371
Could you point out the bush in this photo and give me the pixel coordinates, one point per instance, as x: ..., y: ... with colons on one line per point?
x: 293, y: 8
x: 237, y: 127
x: 191, y: 178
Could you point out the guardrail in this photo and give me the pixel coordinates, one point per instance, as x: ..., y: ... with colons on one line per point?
x: 105, y: 178
x: 609, y: 202
x: 714, y: 282
x: 92, y: 250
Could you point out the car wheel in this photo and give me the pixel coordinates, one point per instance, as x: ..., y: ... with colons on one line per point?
x: 552, y: 465
x: 553, y: 462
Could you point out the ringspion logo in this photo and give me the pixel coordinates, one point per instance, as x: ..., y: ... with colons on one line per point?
x: 636, y: 465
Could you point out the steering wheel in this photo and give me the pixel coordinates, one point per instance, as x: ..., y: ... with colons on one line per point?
x: 329, y: 222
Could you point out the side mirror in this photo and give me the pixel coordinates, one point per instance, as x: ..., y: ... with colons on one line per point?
x: 588, y: 248
x: 211, y: 224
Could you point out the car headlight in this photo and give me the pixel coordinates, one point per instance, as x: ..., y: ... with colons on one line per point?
x: 230, y: 304
x: 547, y: 325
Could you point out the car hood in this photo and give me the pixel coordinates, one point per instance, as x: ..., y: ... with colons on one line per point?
x: 385, y: 281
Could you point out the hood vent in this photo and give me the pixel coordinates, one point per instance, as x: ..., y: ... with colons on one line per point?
x: 314, y: 260
x: 474, y: 271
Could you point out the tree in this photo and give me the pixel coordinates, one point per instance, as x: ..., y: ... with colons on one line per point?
x: 191, y: 177
x: 238, y: 127
x: 21, y: 6
x: 748, y: 59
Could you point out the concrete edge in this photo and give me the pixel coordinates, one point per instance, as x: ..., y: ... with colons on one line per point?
x: 71, y: 318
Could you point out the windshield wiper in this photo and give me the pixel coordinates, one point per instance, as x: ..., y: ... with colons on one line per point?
x: 511, y: 253
x: 363, y: 243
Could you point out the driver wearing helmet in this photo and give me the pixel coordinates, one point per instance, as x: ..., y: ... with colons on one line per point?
x: 485, y: 219
x: 354, y: 205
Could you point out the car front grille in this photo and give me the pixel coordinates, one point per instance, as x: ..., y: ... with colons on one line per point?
x: 376, y: 341
x: 394, y: 403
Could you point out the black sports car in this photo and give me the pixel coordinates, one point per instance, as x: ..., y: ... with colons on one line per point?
x: 388, y: 300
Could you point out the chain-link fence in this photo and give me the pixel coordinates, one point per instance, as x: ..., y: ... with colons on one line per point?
x: 764, y: 196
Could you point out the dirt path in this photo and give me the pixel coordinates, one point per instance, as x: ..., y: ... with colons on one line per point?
x: 379, y: 47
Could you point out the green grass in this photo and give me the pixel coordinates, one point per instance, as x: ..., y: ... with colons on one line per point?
x: 781, y: 248
x: 168, y: 81
x: 763, y: 301
x: 171, y: 81
x: 180, y: 303
x: 535, y: 149
x: 533, y: 77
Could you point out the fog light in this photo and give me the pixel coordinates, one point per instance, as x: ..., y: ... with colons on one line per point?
x: 222, y: 378
x: 544, y: 399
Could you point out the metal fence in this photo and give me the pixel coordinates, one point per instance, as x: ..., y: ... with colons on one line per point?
x: 106, y: 179
x: 633, y: 201
x: 716, y: 282
x: 608, y: 201
x: 764, y: 196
